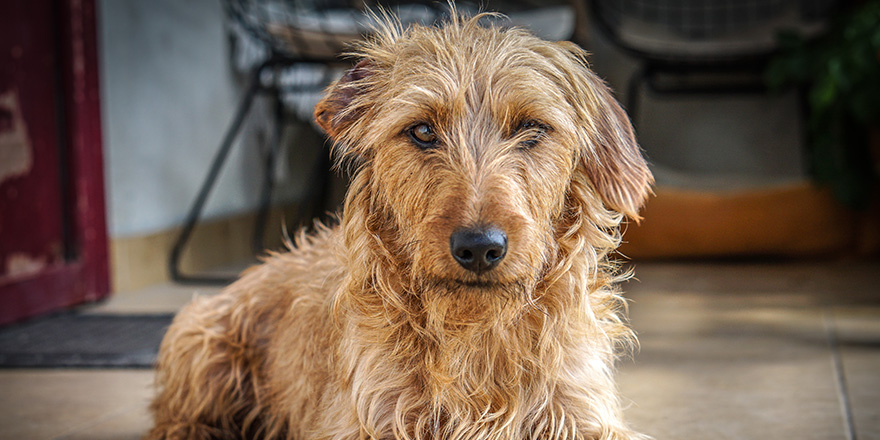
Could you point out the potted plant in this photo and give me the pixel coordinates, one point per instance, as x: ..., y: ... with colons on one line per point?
x: 840, y: 76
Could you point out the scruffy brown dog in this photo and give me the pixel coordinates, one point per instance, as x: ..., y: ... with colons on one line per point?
x: 467, y: 293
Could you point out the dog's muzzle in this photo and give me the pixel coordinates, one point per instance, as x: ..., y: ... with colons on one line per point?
x: 478, y: 249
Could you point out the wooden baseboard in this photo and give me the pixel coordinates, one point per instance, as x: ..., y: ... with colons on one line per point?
x: 792, y: 220
x: 142, y: 261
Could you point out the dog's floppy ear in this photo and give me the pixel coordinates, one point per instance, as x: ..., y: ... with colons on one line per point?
x: 615, y: 163
x: 610, y: 157
x: 340, y: 106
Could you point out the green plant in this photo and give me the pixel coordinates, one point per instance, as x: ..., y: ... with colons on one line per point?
x: 840, y: 73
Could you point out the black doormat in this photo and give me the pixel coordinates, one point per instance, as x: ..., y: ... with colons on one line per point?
x: 84, y: 341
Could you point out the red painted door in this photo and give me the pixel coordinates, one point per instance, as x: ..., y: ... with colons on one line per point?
x: 53, y: 244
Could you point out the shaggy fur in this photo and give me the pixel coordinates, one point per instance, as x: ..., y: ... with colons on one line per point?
x: 371, y: 330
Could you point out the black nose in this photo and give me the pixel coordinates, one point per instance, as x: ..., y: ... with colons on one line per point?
x: 478, y: 249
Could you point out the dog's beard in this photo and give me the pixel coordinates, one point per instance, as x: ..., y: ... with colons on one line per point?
x: 485, y: 288
x: 456, y: 303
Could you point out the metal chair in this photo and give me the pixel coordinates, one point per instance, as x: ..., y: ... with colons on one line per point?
x: 703, y: 46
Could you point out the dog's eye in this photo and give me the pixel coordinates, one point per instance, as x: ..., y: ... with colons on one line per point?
x: 423, y: 135
x: 533, y: 131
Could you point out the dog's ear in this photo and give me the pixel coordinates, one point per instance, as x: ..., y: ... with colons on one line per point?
x: 340, y: 106
x: 610, y: 156
x: 615, y: 163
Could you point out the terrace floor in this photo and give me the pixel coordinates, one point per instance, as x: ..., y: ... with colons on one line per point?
x: 736, y: 350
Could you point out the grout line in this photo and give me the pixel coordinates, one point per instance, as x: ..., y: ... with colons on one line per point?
x: 840, y: 376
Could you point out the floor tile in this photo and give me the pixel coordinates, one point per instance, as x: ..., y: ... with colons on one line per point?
x: 731, y: 356
x: 129, y: 424
x: 47, y: 404
x: 732, y: 387
x: 858, y: 336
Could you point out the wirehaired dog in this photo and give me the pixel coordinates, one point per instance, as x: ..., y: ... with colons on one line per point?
x: 468, y: 291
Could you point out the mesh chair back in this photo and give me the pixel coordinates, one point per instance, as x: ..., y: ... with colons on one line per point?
x: 705, y: 29
x: 318, y: 29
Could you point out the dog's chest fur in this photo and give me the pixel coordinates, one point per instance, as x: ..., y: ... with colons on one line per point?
x: 390, y: 373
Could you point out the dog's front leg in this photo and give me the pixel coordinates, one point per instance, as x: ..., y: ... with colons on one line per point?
x: 204, y: 377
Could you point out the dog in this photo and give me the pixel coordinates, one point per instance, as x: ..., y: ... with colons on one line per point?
x: 468, y: 291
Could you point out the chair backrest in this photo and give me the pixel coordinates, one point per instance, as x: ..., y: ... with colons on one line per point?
x: 707, y: 29
x: 319, y: 30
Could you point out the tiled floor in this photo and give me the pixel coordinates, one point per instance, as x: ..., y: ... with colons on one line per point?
x: 728, y: 351
x: 756, y: 351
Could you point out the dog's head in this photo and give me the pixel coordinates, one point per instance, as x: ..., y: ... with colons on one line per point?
x: 484, y: 157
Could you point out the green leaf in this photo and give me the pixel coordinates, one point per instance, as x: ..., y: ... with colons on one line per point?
x: 823, y: 93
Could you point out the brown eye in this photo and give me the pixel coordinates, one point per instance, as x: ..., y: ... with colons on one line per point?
x: 423, y: 135
x: 534, y: 131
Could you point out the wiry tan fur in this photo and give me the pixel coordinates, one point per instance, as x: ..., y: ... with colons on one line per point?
x: 371, y: 329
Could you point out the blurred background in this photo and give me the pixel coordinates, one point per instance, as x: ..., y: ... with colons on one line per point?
x: 151, y: 150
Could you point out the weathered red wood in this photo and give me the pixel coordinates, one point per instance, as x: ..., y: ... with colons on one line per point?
x: 62, y: 227
x: 30, y: 189
x: 82, y: 95
x: 54, y: 288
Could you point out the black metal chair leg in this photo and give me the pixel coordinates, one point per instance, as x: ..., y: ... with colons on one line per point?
x: 271, y: 158
x: 199, y: 203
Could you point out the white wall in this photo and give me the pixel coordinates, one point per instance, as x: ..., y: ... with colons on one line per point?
x: 168, y: 94
x: 710, y: 141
